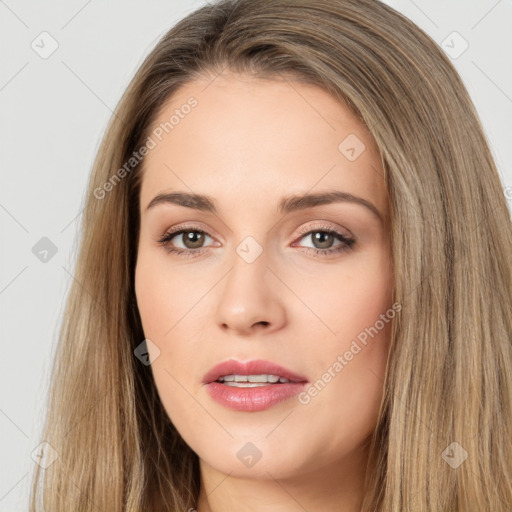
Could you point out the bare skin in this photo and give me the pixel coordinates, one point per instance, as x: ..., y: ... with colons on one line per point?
x: 248, y: 143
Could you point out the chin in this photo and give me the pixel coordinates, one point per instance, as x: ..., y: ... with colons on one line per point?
x: 255, y: 459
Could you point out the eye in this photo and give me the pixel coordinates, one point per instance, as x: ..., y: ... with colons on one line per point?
x: 323, y: 238
x: 192, y: 240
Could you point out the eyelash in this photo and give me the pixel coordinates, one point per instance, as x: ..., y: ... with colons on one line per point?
x: 166, y: 238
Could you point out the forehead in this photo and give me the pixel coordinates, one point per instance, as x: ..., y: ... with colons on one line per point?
x: 252, y: 138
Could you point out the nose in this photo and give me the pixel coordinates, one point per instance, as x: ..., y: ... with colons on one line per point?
x: 251, y: 299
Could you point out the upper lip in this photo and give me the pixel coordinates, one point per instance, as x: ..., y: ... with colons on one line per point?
x: 254, y: 367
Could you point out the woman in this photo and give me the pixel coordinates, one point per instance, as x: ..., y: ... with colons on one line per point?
x: 217, y: 352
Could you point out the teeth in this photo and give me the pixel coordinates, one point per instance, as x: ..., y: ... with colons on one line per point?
x: 246, y: 384
x: 252, y: 379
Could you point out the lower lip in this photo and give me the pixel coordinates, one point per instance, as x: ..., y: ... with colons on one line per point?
x: 253, y: 399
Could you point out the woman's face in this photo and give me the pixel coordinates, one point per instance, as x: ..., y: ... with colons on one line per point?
x: 261, y: 275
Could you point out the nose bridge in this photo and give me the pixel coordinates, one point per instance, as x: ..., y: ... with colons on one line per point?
x: 247, y: 279
x: 249, y: 295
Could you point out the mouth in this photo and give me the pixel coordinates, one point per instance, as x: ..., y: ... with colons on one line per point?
x: 252, y: 386
x: 253, y: 373
x: 251, y: 381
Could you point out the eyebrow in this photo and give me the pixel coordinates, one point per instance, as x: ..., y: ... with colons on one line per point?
x: 288, y: 204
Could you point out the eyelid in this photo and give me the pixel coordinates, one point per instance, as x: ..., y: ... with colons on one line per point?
x: 184, y: 227
x: 325, y: 226
x: 321, y: 225
x: 347, y: 241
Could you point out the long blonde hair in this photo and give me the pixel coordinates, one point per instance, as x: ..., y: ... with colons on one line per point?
x: 448, y: 386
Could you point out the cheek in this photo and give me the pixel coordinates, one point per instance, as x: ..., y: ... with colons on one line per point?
x: 348, y: 298
x: 355, y: 305
x: 166, y: 307
x: 163, y: 298
x: 155, y: 300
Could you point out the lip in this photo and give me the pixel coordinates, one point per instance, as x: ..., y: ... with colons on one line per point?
x: 255, y: 398
x: 254, y: 367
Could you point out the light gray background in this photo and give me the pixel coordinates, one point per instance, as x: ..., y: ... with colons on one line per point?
x: 53, y: 113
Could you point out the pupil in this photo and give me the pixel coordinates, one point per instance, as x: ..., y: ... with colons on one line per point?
x: 194, y: 239
x: 189, y: 239
x: 321, y: 237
